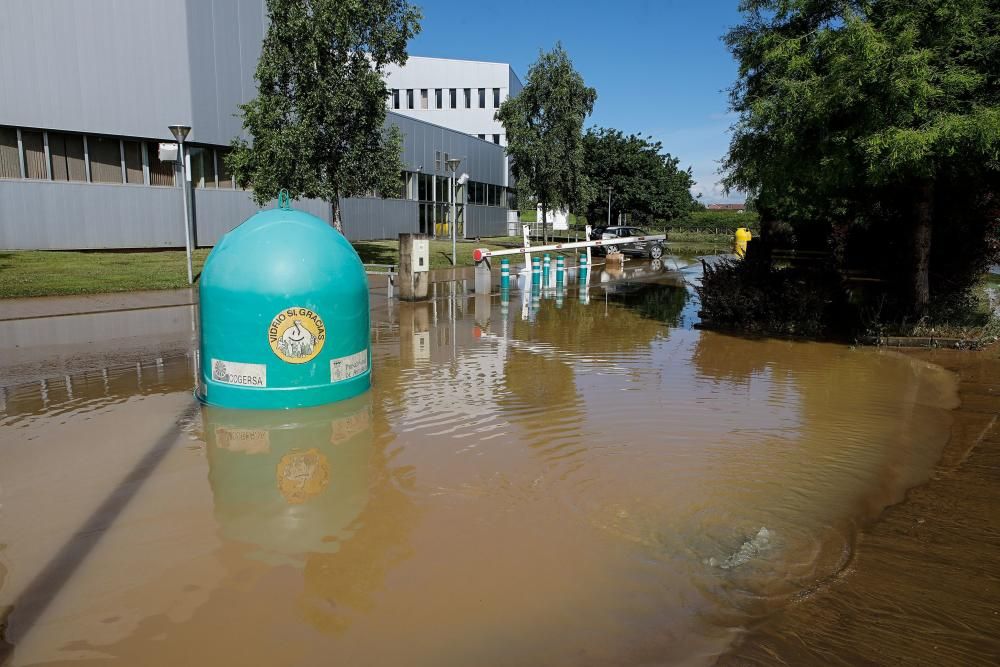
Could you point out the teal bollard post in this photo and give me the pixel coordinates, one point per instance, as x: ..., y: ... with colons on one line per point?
x: 504, y: 273
x: 536, y: 271
x: 560, y: 270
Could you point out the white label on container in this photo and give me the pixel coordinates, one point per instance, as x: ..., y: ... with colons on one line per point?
x: 348, y: 367
x: 234, y: 372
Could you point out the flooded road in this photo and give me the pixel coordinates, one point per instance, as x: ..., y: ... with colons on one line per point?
x: 572, y: 479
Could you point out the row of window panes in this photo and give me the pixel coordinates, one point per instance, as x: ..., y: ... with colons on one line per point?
x: 496, y: 137
x: 424, y: 101
x: 435, y: 219
x: 487, y: 194
x: 100, y: 159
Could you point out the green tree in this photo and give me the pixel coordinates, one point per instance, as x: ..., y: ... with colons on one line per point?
x: 868, y: 112
x: 318, y: 121
x: 544, y: 126
x: 645, y: 181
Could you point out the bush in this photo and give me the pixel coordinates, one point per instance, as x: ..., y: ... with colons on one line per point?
x: 748, y: 296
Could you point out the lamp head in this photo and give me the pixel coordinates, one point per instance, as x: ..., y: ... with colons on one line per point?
x: 180, y: 132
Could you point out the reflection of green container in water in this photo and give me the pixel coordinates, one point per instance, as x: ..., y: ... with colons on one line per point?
x: 284, y: 315
x: 291, y: 482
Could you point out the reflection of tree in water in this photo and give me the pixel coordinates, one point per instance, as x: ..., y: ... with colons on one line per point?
x: 587, y: 329
x: 732, y: 358
x: 663, y: 303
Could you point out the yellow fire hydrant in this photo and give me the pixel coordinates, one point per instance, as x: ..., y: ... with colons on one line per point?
x: 740, y: 241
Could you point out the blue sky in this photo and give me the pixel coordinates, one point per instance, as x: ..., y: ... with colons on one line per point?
x: 659, y: 67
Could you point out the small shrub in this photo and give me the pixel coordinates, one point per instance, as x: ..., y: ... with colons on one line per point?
x: 755, y: 298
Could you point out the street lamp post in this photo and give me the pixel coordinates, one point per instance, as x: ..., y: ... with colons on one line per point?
x: 452, y: 166
x: 609, y: 206
x: 180, y: 133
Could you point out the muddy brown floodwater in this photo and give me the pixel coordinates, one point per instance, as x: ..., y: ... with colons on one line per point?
x: 572, y: 480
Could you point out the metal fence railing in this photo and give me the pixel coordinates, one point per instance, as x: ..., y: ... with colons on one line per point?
x: 390, y: 271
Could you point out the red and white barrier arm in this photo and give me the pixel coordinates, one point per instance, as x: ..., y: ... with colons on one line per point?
x: 479, y: 254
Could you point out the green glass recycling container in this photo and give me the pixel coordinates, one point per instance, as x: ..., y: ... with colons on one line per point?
x: 284, y: 315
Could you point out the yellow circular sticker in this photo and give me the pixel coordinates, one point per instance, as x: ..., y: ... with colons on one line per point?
x: 296, y: 335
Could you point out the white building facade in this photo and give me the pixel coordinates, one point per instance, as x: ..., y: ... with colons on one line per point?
x: 461, y: 95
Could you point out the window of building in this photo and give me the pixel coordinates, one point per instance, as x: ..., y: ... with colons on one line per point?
x: 423, y: 98
x: 160, y: 173
x: 482, y: 98
x: 496, y: 138
x: 105, y: 159
x: 10, y: 163
x: 453, y: 94
x: 482, y: 136
x: 33, y: 144
x: 468, y: 98
x: 496, y: 98
x: 133, y: 162
x: 425, y: 214
x: 202, y: 167
x: 409, y: 98
x: 442, y: 189
x: 438, y: 98
x: 66, y: 155
x: 395, y: 98
x: 425, y: 185
x: 226, y: 178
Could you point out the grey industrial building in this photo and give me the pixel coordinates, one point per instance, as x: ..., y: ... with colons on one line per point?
x: 87, y: 95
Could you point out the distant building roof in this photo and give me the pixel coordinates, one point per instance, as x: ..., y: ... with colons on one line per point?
x: 726, y: 207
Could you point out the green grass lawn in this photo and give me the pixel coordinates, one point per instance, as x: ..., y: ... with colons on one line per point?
x: 49, y: 273
x: 46, y: 273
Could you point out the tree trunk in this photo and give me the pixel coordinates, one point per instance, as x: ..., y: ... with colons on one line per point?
x: 763, y: 246
x: 545, y: 229
x: 338, y: 223
x: 922, y: 247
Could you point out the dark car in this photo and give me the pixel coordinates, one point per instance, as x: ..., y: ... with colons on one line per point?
x: 652, y: 249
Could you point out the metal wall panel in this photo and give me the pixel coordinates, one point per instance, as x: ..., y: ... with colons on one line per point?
x: 47, y: 215
x: 217, y: 212
x: 103, y: 66
x: 482, y: 160
x: 373, y: 218
x: 223, y: 43
x: 66, y: 216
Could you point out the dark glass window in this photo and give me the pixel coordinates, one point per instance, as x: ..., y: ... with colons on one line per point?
x: 482, y: 98
x: 133, y: 162
x: 496, y: 138
x: 105, y: 159
x: 66, y: 151
x: 438, y: 98
x: 33, y: 144
x: 496, y: 98
x: 409, y: 98
x: 453, y: 94
x: 10, y: 163
x: 395, y: 98
x: 468, y: 98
